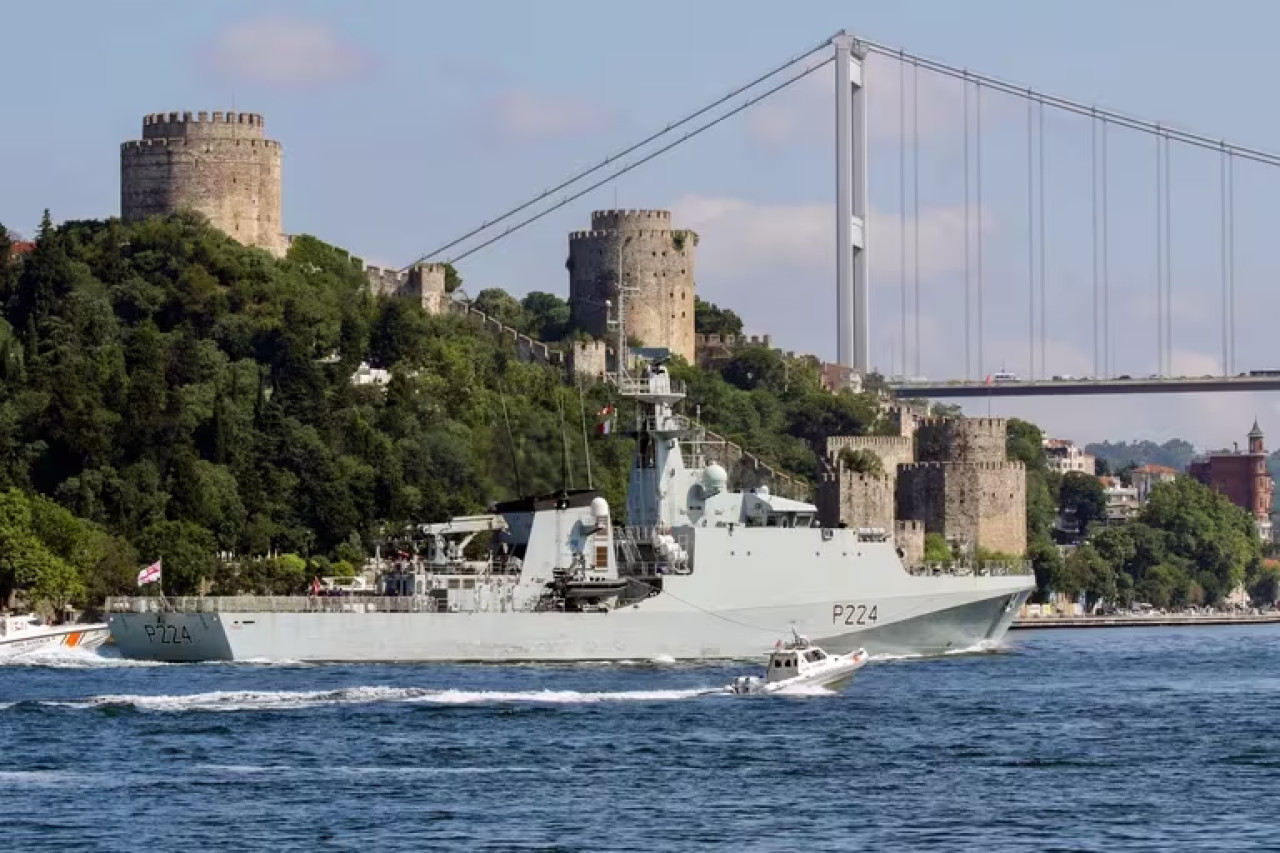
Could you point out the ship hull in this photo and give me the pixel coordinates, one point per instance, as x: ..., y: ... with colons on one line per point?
x: 928, y: 624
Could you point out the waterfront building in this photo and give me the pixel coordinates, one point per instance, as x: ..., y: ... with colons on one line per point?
x: 1242, y: 477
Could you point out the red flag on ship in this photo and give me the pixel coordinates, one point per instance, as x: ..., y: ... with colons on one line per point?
x: 605, y: 418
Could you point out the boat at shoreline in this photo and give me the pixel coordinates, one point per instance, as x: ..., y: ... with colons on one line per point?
x: 20, y: 635
x: 699, y: 571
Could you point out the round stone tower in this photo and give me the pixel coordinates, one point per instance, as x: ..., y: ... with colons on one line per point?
x: 655, y: 265
x: 218, y: 164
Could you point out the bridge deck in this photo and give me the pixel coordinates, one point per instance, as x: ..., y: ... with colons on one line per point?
x: 1083, y: 387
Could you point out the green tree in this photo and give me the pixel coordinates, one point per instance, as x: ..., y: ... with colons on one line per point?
x: 1081, y: 495
x: 936, y: 549
x: 710, y: 319
x: 501, y: 306
x: 861, y: 461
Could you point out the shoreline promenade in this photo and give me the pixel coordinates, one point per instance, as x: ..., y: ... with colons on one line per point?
x: 1138, y: 621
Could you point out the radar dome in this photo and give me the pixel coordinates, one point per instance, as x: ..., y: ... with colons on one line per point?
x: 715, y: 479
x: 600, y: 511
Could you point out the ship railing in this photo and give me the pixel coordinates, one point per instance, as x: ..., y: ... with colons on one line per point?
x: 986, y: 568
x: 276, y: 604
x: 632, y: 386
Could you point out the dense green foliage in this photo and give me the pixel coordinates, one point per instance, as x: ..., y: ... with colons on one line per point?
x: 861, y: 461
x: 1188, y: 545
x: 708, y: 319
x: 775, y: 406
x: 1175, y: 453
x: 183, y: 396
x: 1025, y: 444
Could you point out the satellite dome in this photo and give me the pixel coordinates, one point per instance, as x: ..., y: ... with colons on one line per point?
x: 715, y: 479
x: 599, y: 508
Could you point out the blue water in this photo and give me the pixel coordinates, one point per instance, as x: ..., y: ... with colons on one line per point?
x: 1143, y: 739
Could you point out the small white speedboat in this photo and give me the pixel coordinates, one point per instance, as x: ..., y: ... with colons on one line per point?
x: 20, y: 635
x: 799, y: 663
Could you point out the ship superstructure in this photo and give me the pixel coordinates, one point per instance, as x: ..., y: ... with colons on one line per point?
x: 699, y: 571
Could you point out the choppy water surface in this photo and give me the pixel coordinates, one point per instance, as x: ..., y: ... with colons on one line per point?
x: 1144, y: 739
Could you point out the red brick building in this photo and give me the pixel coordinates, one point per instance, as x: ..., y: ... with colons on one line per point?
x: 1241, y: 476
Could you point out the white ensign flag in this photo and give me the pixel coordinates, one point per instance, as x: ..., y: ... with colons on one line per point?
x: 151, y: 574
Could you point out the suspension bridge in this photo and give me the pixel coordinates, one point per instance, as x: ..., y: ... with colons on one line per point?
x: 1132, y: 220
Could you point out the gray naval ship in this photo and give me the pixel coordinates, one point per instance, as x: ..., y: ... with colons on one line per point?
x: 700, y: 571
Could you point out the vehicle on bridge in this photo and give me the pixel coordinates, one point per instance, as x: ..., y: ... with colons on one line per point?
x: 1004, y: 376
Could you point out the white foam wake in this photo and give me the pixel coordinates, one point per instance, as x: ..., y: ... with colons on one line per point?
x: 282, y: 700
x: 61, y: 657
x: 980, y: 647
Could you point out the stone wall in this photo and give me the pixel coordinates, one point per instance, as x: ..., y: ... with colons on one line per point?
x: 979, y: 504
x: 424, y: 283
x: 220, y: 165
x: 960, y: 439
x: 909, y: 536
x: 656, y: 268
x: 589, y: 359
x: 856, y: 500
x: 893, y: 450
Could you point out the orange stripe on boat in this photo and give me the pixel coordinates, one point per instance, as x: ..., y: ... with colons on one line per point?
x: 73, y: 639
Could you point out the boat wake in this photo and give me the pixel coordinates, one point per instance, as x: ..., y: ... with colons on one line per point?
x: 286, y: 700
x: 62, y: 657
x: 978, y: 648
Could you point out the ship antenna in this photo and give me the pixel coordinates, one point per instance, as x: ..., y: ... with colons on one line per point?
x: 564, y: 443
x: 511, y: 442
x: 586, y: 444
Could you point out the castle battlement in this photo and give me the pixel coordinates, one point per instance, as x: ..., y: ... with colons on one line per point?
x: 715, y: 339
x: 183, y: 141
x: 188, y: 116
x: 203, y: 124
x: 969, y: 424
x: 613, y: 220
x: 839, y: 442
x: 959, y: 467
x: 218, y: 164
x: 596, y: 234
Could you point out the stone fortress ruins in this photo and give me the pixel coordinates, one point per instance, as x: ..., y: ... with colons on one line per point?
x: 222, y: 165
x: 949, y: 476
x: 219, y: 164
x: 638, y: 251
x: 940, y: 475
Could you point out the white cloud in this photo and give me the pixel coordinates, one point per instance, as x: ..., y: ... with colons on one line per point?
x: 285, y: 51
x: 526, y: 115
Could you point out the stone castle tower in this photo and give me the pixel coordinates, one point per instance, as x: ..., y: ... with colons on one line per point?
x: 218, y: 164
x: 655, y: 264
x: 424, y: 283
x: 941, y: 475
x: 963, y: 485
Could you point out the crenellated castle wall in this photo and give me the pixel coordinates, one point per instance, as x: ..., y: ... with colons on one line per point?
x: 893, y: 450
x: 855, y: 500
x: 655, y: 266
x: 424, y: 283
x: 220, y: 165
x: 980, y: 504
x: 960, y: 439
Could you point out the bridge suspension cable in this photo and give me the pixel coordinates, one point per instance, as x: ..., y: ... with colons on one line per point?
x: 977, y: 180
x: 1031, y: 245
x: 653, y: 137
x: 1160, y: 271
x: 915, y: 204
x: 645, y: 159
x: 968, y: 323
x: 1097, y: 279
x: 902, y: 208
x: 1068, y: 105
x: 1043, y: 247
x: 1107, y: 366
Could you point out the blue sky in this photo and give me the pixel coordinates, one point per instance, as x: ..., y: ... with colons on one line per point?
x: 407, y: 123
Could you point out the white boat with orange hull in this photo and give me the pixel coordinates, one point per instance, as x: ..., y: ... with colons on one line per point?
x: 20, y: 635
